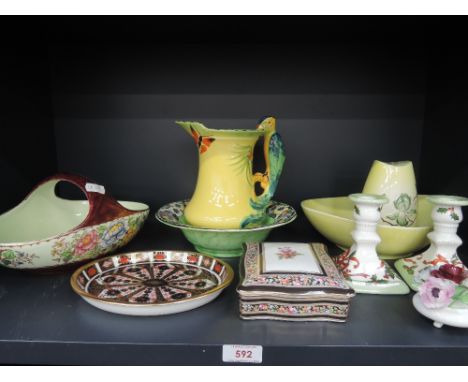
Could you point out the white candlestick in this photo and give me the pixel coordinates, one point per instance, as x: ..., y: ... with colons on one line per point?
x: 361, y: 265
x: 447, y: 216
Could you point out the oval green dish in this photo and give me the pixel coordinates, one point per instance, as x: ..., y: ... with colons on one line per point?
x: 224, y: 242
x: 333, y: 218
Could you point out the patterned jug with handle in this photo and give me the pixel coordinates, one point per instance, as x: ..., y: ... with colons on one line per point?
x: 225, y: 196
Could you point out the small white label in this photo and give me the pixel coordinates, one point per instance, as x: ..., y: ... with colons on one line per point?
x: 242, y: 353
x: 92, y: 187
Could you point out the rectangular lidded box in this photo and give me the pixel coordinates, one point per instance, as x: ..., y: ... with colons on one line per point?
x: 292, y: 281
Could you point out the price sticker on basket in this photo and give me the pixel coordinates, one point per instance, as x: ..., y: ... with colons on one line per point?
x: 242, y: 353
x: 92, y: 187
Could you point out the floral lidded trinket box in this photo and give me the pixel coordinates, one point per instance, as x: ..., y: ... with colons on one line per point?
x: 292, y: 282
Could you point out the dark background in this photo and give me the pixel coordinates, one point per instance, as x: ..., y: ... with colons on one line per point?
x: 99, y: 96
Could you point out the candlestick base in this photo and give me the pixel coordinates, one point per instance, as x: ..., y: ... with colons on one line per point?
x: 414, y: 270
x: 380, y: 280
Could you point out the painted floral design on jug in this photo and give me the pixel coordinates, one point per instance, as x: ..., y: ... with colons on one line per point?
x: 225, y: 195
x: 203, y: 143
x: 241, y: 161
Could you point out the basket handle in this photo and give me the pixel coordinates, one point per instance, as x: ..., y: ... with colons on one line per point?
x: 102, y: 206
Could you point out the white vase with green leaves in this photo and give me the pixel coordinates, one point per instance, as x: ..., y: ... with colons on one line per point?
x: 397, y: 181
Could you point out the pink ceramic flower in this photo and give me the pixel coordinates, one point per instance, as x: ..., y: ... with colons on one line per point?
x: 86, y: 243
x: 437, y: 293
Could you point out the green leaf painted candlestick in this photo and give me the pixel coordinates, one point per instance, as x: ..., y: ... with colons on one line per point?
x: 446, y: 215
x: 361, y: 266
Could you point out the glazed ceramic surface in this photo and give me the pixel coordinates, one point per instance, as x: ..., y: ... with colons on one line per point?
x: 293, y: 282
x: 361, y: 266
x: 152, y: 283
x: 395, y: 180
x: 45, y: 231
x: 445, y: 316
x: 224, y: 196
x: 443, y: 295
x: 333, y: 218
x: 446, y: 215
x: 224, y: 242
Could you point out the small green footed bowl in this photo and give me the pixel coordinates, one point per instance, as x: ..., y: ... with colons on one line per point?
x: 224, y: 242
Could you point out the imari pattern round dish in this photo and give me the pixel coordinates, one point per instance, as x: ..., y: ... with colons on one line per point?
x: 224, y: 242
x: 152, y: 283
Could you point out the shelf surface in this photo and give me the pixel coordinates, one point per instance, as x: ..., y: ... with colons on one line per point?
x: 44, y: 322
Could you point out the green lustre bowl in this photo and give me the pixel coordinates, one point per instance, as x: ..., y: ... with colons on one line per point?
x: 333, y: 218
x: 224, y: 242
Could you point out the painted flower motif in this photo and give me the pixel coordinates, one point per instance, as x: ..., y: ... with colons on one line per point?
x: 14, y: 259
x: 404, y: 215
x: 450, y: 272
x: 86, y: 243
x: 129, y: 235
x: 114, y: 233
x: 287, y: 253
x: 60, y: 246
x: 437, y: 293
x: 451, y: 211
x: 63, y: 251
x: 7, y: 257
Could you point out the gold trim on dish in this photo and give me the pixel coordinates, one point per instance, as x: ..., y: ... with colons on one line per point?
x: 224, y: 284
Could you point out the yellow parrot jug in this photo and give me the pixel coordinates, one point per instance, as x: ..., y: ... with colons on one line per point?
x: 225, y: 196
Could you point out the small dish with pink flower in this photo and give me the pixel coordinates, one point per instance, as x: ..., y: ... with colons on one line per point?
x: 443, y: 296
